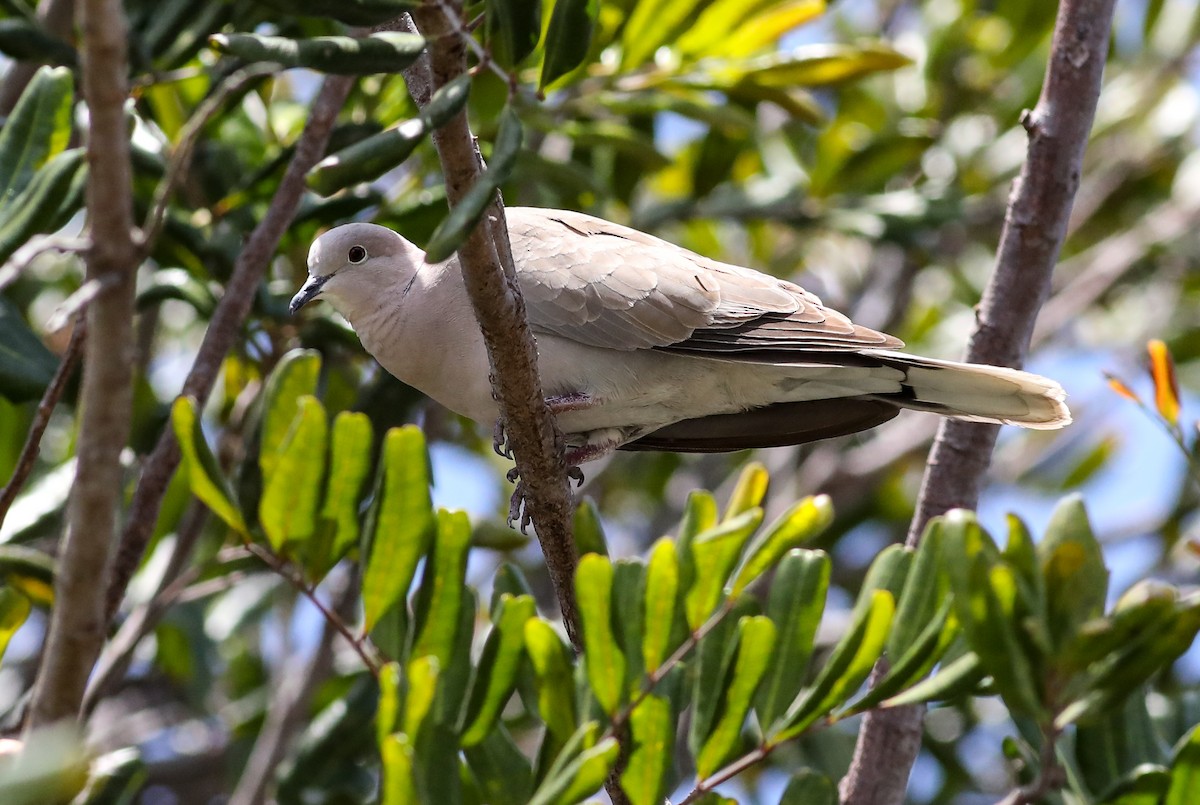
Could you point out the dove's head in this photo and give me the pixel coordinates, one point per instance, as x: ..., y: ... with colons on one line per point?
x: 356, y: 266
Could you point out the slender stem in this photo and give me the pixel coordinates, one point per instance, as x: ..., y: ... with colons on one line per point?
x: 225, y: 325
x: 41, y: 418
x: 1035, y: 226
x: 756, y: 755
x: 77, y: 624
x: 1050, y: 775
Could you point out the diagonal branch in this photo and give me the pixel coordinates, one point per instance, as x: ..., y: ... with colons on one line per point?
x: 77, y: 625
x: 1035, y: 226
x: 487, y: 267
x: 226, y: 323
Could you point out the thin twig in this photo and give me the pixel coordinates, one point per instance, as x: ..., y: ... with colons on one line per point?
x: 41, y: 418
x: 225, y: 325
x: 359, y: 643
x: 35, y: 248
x: 181, y: 159
x: 1035, y: 226
x: 77, y: 623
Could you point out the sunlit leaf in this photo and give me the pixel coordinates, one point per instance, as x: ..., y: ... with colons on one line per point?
x: 295, y: 376
x: 662, y: 587
x: 439, y: 598
x: 749, y: 491
x: 756, y: 648
x: 799, y: 524
x: 603, y: 658
x: 37, y: 129
x: 652, y: 729
x: 288, y: 507
x: 496, y: 672
x: 1166, y: 387
x: 795, y: 605
x: 714, y: 554
x: 14, y: 609
x: 551, y: 661
x: 204, y: 476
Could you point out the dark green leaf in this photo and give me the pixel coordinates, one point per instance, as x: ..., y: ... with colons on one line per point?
x: 1072, y: 565
x: 351, y: 12
x: 26, y: 366
x: 587, y: 529
x: 512, y: 28
x: 40, y: 206
x: 796, y: 603
x: 496, y: 674
x: 755, y: 650
x: 808, y: 787
x: 378, y: 53
x: 504, y: 773
x: 568, y: 38
x: 21, y: 40
x: 37, y: 129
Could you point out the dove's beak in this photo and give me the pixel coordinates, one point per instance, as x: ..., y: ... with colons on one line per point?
x: 309, y: 291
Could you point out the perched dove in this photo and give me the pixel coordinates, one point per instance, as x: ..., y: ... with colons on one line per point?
x: 643, y: 345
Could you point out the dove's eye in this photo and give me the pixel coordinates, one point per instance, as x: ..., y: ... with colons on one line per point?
x: 357, y: 254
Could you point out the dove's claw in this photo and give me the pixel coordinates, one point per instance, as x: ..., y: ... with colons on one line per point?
x: 500, y: 439
x: 513, y: 476
x: 518, y: 509
x: 576, y: 475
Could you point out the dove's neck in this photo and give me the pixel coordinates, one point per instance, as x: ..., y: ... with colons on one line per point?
x: 422, y: 330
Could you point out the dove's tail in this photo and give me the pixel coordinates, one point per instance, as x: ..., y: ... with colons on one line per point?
x: 975, y: 392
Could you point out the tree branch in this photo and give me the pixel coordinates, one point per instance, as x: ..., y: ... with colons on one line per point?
x: 1035, y: 226
x: 77, y: 625
x: 226, y: 323
x: 41, y: 418
x: 488, y: 272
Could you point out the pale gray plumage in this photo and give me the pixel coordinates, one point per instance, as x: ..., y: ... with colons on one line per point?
x: 650, y: 346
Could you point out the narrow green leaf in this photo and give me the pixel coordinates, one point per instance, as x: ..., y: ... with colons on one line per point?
x: 953, y: 680
x: 439, y: 599
x: 581, y: 778
x: 26, y: 366
x: 924, y: 590
x: 386, y: 52
x: 465, y: 215
x: 713, y: 556
x: 662, y: 591
x: 399, y: 785
x: 847, y: 667
x: 811, y: 65
x: 809, y: 787
x: 756, y: 648
x: 551, y: 662
x: 54, y: 190
x: 349, y: 462
x: 30, y: 572
x: 749, y: 491
x: 204, y: 476
x: 802, y: 522
x: 512, y: 28
x: 629, y: 615
x: 795, y: 606
x: 603, y: 658
x: 387, y: 716
x: 496, y: 675
x: 568, y: 38
x: 1072, y: 565
x: 21, y: 40
x: 402, y: 527
x: 1185, y: 771
x: 288, y: 507
x: 504, y: 773
x: 295, y: 376
x: 714, y: 658
x: 588, y: 531
x: 651, y: 26
x: 508, y: 579
x: 652, y: 729
x: 700, y: 514
x: 422, y: 679
x: 914, y: 660
x: 14, y: 609
x: 887, y: 572
x: 36, y: 130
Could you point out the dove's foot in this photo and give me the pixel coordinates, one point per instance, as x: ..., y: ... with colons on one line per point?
x: 500, y: 439
x: 561, y: 404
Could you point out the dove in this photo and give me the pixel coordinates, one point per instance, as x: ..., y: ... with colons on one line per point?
x: 645, y: 345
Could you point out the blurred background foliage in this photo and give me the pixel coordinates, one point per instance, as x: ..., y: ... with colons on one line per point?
x: 864, y: 148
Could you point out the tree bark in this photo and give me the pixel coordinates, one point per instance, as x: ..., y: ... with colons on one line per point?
x: 1035, y: 226
x: 77, y: 624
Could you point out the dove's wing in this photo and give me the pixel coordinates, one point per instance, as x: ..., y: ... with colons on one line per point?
x: 607, y: 285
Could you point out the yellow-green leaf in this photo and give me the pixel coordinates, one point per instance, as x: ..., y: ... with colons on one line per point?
x: 398, y: 785
x: 204, y: 477
x: 662, y: 591
x: 795, y: 606
x: 756, y: 647
x: 295, y: 376
x: 551, y: 662
x: 713, y: 556
x: 439, y: 600
x: 802, y: 522
x: 292, y: 491
x: 14, y: 609
x: 652, y: 729
x: 349, y: 461
x: 603, y: 658
x: 496, y: 673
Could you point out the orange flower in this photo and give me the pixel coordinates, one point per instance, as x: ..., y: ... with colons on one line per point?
x: 1118, y: 385
x: 1166, y: 388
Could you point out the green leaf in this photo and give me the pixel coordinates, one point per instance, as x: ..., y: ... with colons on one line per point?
x: 401, y: 529
x: 924, y: 591
x: 398, y: 785
x: 955, y: 679
x: 204, y: 476
x: 811, y: 65
x: 295, y: 376
x: 1146, y: 784
x: 587, y: 529
x: 568, y: 38
x: 847, y: 667
x: 465, y: 215
x: 1185, y: 771
x: 796, y: 526
x: 795, y: 606
x: 809, y: 787
x: 699, y: 515
x: 888, y: 571
x: 1072, y: 565
x: 21, y: 40
x: 551, y: 660
x: 755, y: 650
x: 750, y: 489
x: 439, y: 598
x: 46, y: 202
x: 349, y: 462
x: 915, y: 659
x: 710, y: 670
x: 37, y: 129
x: 652, y: 25
x: 288, y: 507
x: 628, y: 598
x: 512, y: 28
x: 30, y: 572
x: 387, y: 716
x: 662, y: 593
x: 713, y: 556
x: 508, y: 579
x: 603, y: 658
x: 504, y: 773
x: 581, y: 778
x: 652, y: 730
x: 497, y: 668
x: 422, y: 680
x: 14, y: 609
x: 386, y: 52
x: 26, y: 366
